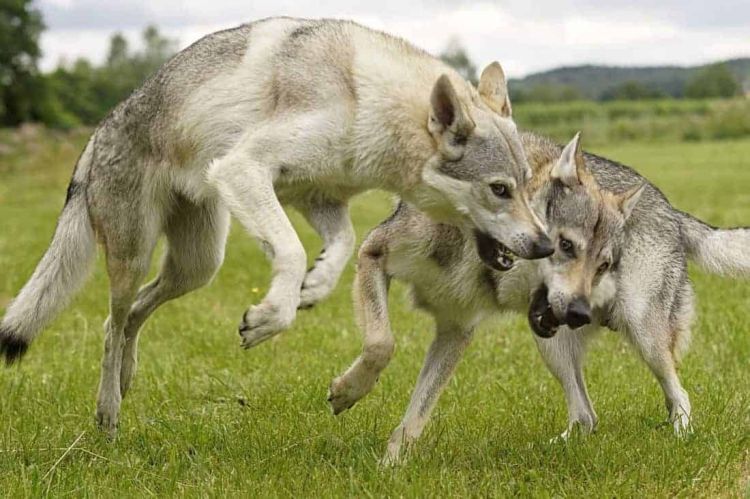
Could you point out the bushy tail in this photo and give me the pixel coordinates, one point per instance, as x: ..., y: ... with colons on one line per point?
x: 57, y: 277
x: 719, y: 251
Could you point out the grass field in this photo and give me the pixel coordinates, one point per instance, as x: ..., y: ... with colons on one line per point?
x: 638, y: 121
x: 206, y: 418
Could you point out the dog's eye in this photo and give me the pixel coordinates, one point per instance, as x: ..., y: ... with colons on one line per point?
x: 602, y: 268
x: 567, y: 246
x: 500, y: 190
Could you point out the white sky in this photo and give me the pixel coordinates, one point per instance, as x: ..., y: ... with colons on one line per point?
x: 524, y: 35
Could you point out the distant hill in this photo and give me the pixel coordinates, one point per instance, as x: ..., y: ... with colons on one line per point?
x: 595, y: 82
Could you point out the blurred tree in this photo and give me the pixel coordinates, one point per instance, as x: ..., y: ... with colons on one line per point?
x: 157, y: 48
x: 87, y: 93
x: 632, y: 90
x: 21, y: 87
x: 118, y: 50
x: 546, y: 93
x: 713, y: 81
x: 455, y: 55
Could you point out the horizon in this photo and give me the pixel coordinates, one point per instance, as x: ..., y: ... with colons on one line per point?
x: 547, y: 37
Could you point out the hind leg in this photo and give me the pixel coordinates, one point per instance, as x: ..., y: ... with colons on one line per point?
x: 564, y: 355
x: 126, y: 272
x: 196, y: 237
x: 656, y: 347
x: 661, y: 336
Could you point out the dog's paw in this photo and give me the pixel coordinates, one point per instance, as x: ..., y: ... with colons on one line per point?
x: 315, y: 288
x: 562, y: 438
x: 344, y: 392
x: 682, y: 426
x: 577, y: 429
x: 106, y: 421
x: 392, y: 458
x: 263, y: 321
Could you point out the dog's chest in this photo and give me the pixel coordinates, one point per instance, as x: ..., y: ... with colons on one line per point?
x: 458, y: 287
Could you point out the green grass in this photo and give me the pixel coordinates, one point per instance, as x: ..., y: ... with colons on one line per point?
x: 206, y: 418
x: 648, y: 120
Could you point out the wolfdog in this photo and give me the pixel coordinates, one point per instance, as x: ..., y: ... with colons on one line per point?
x: 620, y: 262
x: 280, y: 111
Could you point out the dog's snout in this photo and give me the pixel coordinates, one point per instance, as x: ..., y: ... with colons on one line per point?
x: 542, y: 247
x: 578, y: 313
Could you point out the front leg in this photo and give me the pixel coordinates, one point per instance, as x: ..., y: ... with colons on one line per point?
x: 371, y: 304
x: 564, y: 355
x: 246, y: 188
x: 331, y: 220
x: 442, y: 358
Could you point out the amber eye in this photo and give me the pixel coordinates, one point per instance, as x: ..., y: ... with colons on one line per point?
x: 500, y: 190
x: 602, y: 268
x: 566, y: 246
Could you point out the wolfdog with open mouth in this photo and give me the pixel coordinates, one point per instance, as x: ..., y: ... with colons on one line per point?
x: 620, y: 262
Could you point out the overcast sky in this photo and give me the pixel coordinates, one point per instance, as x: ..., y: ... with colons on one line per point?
x: 524, y: 35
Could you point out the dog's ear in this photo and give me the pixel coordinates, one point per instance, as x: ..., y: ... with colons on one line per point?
x: 494, y: 89
x: 570, y: 168
x: 449, y: 122
x: 628, y: 199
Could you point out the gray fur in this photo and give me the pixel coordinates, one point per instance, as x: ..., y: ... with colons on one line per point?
x: 618, y: 217
x: 300, y: 112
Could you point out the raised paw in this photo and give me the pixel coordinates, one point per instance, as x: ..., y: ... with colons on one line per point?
x: 344, y: 392
x: 315, y: 288
x: 261, y: 322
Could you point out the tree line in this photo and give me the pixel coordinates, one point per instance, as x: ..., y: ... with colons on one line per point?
x: 82, y: 93
x: 76, y: 93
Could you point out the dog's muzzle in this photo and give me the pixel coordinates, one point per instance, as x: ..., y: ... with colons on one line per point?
x: 545, y: 323
x: 493, y: 253
x: 541, y: 317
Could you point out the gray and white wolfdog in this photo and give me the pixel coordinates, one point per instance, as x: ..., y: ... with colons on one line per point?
x: 282, y: 111
x: 620, y: 262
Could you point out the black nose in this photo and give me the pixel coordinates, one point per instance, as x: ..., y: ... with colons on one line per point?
x: 542, y: 248
x: 578, y: 314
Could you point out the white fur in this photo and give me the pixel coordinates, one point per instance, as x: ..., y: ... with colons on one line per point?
x: 725, y: 252
x: 61, y: 271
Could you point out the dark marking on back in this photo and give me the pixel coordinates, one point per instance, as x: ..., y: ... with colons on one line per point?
x: 305, y: 30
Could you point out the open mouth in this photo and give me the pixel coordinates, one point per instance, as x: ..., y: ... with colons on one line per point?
x: 541, y: 317
x: 493, y: 253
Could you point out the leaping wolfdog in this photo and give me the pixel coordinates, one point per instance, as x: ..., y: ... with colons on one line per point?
x: 620, y: 262
x: 301, y: 112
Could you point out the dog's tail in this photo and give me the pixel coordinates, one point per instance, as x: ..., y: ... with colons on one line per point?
x: 60, y: 273
x: 716, y: 250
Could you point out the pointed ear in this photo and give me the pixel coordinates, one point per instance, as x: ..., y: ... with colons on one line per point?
x: 629, y: 199
x: 494, y: 89
x: 448, y: 121
x: 570, y: 168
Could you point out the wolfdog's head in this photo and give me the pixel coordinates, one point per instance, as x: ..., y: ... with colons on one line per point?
x: 587, y: 225
x: 479, y: 168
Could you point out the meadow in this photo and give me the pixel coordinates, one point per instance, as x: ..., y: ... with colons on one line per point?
x: 657, y: 120
x: 208, y: 419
